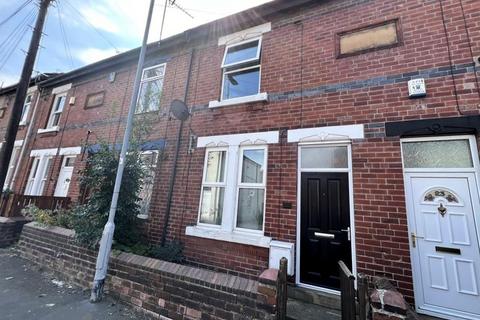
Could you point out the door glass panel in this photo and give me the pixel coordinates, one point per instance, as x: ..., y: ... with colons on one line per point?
x: 324, y: 157
x: 437, y: 154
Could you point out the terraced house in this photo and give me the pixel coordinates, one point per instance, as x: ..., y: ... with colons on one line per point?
x: 319, y: 131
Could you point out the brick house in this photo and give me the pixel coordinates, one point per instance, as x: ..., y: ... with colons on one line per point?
x: 305, y: 139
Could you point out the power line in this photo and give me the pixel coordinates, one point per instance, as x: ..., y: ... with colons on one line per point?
x: 66, y: 44
x: 15, y: 44
x: 92, y: 26
x: 20, y: 8
x: 5, y: 44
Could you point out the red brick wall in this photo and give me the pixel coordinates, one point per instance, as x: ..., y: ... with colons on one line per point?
x: 299, y: 56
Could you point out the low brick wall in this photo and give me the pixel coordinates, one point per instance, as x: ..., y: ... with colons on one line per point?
x: 10, y: 229
x: 157, y: 287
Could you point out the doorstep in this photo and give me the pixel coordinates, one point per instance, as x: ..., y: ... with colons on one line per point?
x: 322, y: 299
x: 300, y: 310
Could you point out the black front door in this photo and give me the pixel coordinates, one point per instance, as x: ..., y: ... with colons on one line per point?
x: 325, y: 222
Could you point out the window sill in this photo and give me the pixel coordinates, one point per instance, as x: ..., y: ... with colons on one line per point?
x: 247, y: 99
x: 52, y: 129
x: 142, y: 216
x: 236, y: 237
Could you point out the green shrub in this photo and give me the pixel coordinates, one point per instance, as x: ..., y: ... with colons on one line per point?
x: 98, y: 178
x: 41, y: 216
x: 46, y: 217
x: 172, y: 252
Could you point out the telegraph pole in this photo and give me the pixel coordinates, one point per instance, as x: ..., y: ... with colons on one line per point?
x: 21, y: 93
x: 109, y: 229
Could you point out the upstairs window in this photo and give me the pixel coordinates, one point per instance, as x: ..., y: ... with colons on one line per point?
x: 151, y: 89
x: 26, y: 109
x: 57, y: 109
x: 241, y: 69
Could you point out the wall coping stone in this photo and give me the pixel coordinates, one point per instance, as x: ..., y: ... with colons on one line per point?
x: 6, y: 220
x: 269, y: 276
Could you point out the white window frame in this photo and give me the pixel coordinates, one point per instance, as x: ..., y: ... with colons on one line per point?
x: 156, y: 152
x: 230, y: 68
x: 54, y: 112
x: 146, y: 80
x: 243, y: 185
x: 12, y: 164
x: 225, y: 73
x: 236, y: 44
x: 26, y: 109
x: 36, y: 182
x: 213, y: 184
x: 44, y: 175
x: 32, y: 176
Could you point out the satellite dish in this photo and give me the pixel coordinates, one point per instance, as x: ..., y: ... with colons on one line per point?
x: 179, y: 110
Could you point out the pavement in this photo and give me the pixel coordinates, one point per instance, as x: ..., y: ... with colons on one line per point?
x: 27, y: 292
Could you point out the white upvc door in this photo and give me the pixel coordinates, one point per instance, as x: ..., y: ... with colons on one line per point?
x: 445, y: 244
x: 443, y: 208
x: 65, y: 177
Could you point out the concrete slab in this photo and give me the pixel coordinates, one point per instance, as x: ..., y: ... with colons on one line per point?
x: 27, y: 293
x: 299, y: 310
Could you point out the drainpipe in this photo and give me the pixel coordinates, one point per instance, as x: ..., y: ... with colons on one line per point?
x: 27, y: 136
x: 175, y: 159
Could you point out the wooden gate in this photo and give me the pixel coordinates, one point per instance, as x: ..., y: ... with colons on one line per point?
x: 351, y: 297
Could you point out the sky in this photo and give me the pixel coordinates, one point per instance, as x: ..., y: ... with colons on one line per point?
x: 80, y: 32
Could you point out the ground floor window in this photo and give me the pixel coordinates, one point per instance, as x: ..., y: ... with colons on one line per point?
x: 11, y: 167
x: 38, y: 177
x: 149, y: 162
x: 246, y: 167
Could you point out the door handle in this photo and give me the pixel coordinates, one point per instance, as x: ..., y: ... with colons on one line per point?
x: 324, y: 235
x: 349, y: 233
x: 414, y: 239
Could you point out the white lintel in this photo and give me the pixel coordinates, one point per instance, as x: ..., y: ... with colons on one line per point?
x: 62, y: 89
x: 70, y: 151
x: 332, y: 133
x: 43, y: 152
x: 254, y: 138
x: 245, y: 34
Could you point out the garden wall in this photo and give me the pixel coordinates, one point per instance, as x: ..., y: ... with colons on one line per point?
x: 10, y: 229
x: 157, y: 287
